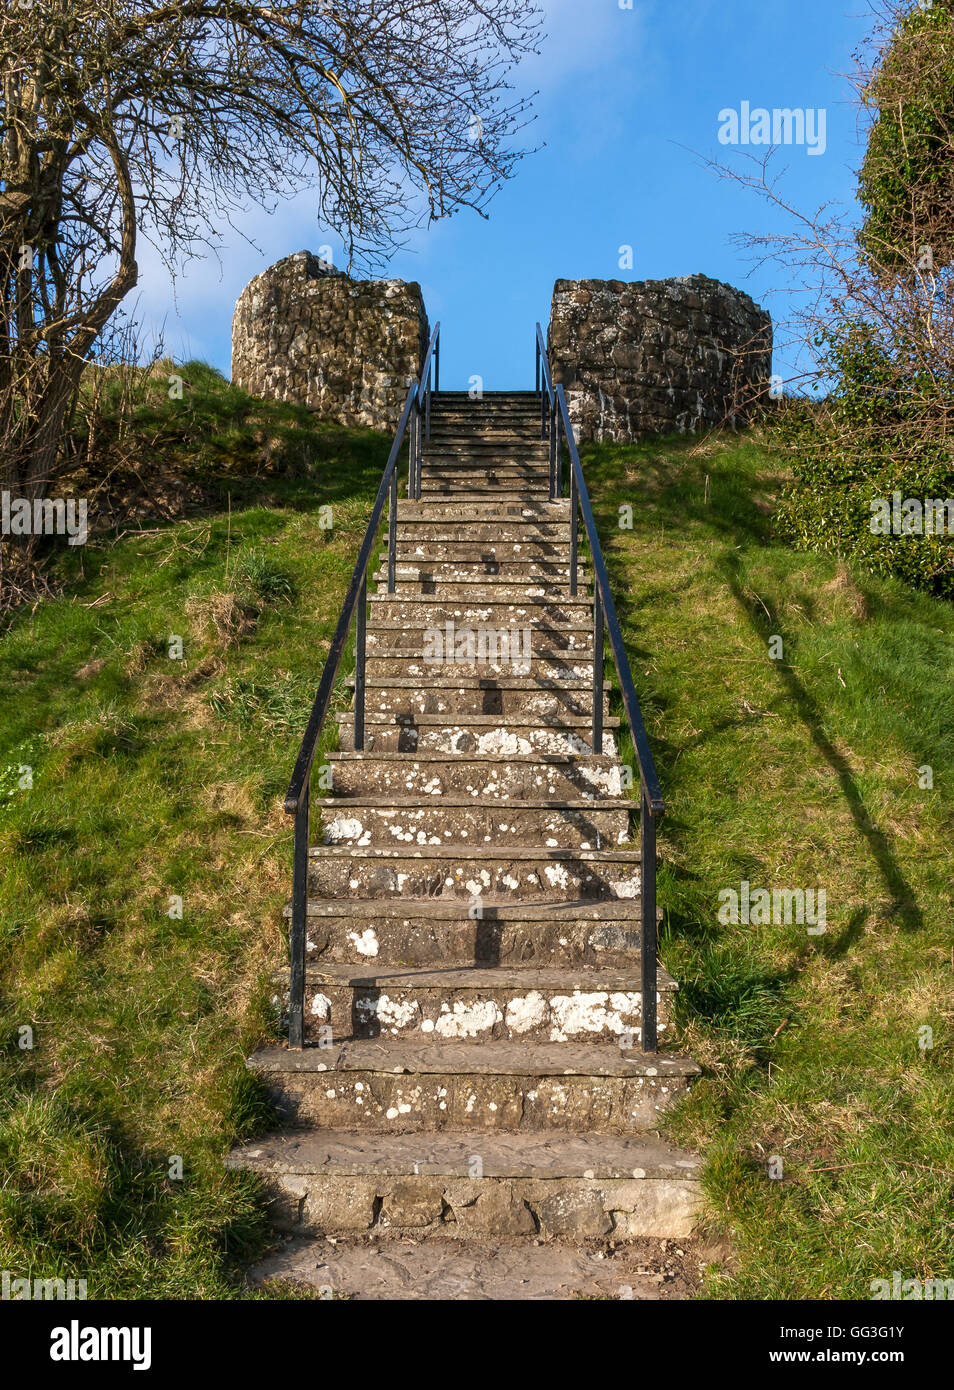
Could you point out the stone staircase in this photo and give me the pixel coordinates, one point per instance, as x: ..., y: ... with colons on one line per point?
x: 473, y: 974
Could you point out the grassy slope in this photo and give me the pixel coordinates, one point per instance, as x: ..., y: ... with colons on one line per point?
x: 797, y: 773
x: 155, y: 777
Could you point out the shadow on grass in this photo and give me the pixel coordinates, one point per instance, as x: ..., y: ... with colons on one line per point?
x: 812, y: 716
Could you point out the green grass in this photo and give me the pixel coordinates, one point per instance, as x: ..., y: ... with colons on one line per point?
x: 154, y: 777
x: 796, y: 773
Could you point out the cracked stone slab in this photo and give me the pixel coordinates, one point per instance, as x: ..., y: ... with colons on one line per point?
x: 496, y: 1059
x: 540, y: 1156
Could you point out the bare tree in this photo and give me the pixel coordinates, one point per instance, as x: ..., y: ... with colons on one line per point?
x: 122, y: 119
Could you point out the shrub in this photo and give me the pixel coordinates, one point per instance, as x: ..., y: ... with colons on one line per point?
x: 879, y: 432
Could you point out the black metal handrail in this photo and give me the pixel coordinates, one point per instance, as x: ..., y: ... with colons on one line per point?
x: 555, y: 417
x: 414, y: 421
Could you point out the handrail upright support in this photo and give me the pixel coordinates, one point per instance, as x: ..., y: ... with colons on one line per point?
x: 299, y: 914
x: 392, y: 532
x: 597, y: 671
x: 360, y: 648
x: 564, y: 427
x: 647, y: 839
x: 558, y: 458
x: 427, y: 404
x: 574, y: 536
x: 419, y: 436
x: 413, y: 457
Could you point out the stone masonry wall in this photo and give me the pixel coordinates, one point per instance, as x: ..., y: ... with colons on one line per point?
x: 657, y: 356
x: 348, y: 349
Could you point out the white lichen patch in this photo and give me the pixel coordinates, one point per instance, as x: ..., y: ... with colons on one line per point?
x: 347, y: 830
x: 467, y: 1020
x: 526, y: 1013
x: 390, y: 1013
x: 597, y: 1012
x: 320, y: 1006
x: 366, y: 944
x: 625, y: 887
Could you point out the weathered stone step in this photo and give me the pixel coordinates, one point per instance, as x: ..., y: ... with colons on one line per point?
x: 518, y: 573
x: 583, y: 1186
x: 488, y: 642
x: 429, y: 820
x: 477, y: 733
x: 449, y: 561
x: 482, y: 588
x: 398, y: 1086
x: 466, y: 473
x: 488, y: 775
x: 469, y: 496
x: 520, y: 513
x: 424, y: 931
x: 532, y: 872
x: 494, y: 403
x: 540, y: 1003
x: 470, y: 414
x: 520, y: 698
x: 517, y: 464
x: 554, y: 667
x: 424, y: 610
x: 529, y: 531
x: 452, y: 692
x: 501, y: 447
x: 500, y: 481
x: 427, y: 551
x: 519, y: 434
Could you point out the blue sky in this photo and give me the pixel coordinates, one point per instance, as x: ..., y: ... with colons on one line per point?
x: 626, y: 96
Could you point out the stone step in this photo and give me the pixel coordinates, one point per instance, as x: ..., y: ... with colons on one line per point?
x: 580, y: 1186
x: 396, y: 1086
x: 477, y: 733
x: 538, y: 1003
x: 519, y: 698
x: 526, y: 484
x: 482, y: 588
x: 494, y: 403
x: 489, y: 775
x: 476, y: 493
x: 519, y: 433
x: 529, y: 513
x: 471, y: 413
x: 484, y: 570
x: 525, y: 548
x: 486, y: 640
x: 481, y: 533
x: 423, y: 931
x: 514, y: 463
x: 507, y: 427
x: 555, y: 667
x: 424, y: 610
x: 444, y: 558
x: 385, y: 1266
x: 476, y: 475
x: 429, y: 820
x: 452, y: 692
x: 501, y: 447
x: 471, y: 871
